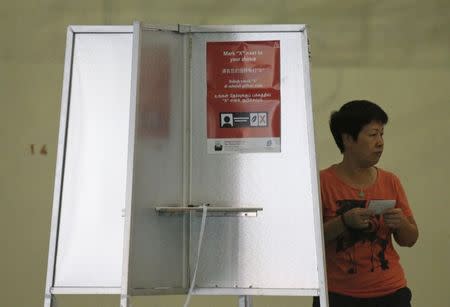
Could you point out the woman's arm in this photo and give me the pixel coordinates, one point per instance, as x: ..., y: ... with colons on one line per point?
x: 356, y: 218
x: 404, y: 228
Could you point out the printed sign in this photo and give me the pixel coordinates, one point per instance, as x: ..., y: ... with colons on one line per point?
x: 243, y: 96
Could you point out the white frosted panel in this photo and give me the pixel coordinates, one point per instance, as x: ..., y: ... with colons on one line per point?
x: 277, y: 248
x: 90, y: 238
x: 157, y: 257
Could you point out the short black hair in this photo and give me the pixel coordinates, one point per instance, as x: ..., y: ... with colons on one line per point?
x: 352, y: 117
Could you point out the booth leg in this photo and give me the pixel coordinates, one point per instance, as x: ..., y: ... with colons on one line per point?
x: 245, y: 301
x: 124, y: 301
x: 50, y: 301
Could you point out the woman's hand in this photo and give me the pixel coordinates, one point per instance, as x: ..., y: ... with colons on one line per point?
x: 394, y: 218
x: 358, y: 218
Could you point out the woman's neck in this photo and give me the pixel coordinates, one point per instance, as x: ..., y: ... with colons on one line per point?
x: 356, y: 175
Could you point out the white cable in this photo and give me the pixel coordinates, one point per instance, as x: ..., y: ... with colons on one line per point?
x: 200, y: 240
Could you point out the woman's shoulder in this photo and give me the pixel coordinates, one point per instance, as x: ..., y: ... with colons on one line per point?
x: 328, y: 173
x: 386, y: 175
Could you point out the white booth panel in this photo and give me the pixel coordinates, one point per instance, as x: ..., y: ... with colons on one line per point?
x: 158, y: 243
x: 276, y: 249
x: 133, y: 161
x: 90, y: 239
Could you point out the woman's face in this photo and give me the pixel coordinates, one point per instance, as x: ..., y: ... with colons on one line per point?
x: 368, y: 147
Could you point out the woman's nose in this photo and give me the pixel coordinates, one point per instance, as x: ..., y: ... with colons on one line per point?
x: 380, y: 140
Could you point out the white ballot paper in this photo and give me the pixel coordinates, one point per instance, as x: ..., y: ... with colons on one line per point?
x: 380, y: 205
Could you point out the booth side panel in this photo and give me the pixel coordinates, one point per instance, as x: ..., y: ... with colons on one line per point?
x: 89, y: 252
x: 157, y: 256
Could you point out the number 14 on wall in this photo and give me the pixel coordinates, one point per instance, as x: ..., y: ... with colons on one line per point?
x: 42, y: 149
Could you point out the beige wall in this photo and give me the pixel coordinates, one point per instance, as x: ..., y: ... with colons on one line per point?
x: 394, y: 52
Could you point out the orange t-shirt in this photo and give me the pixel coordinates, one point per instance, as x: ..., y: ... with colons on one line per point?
x: 362, y: 263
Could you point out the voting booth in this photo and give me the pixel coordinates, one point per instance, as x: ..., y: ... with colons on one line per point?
x: 186, y: 164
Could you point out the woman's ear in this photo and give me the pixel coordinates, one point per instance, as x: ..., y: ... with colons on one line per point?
x: 347, y: 140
